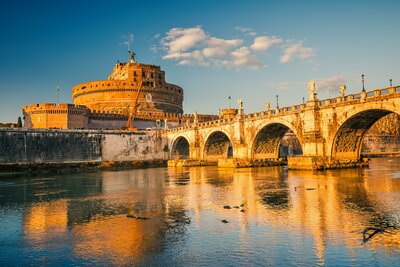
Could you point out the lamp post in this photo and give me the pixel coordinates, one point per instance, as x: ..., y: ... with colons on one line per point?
x: 277, y: 101
x: 303, y: 99
x: 362, y: 78
x: 391, y: 82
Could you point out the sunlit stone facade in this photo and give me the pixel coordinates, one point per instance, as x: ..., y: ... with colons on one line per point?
x: 106, y: 104
x: 117, y: 93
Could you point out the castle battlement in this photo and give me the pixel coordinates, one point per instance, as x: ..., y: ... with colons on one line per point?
x: 55, y: 108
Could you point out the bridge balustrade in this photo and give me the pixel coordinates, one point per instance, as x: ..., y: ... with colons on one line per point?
x: 385, y: 91
x: 324, y: 103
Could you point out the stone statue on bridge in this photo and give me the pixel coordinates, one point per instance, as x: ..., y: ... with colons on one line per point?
x: 240, y: 103
x: 268, y: 105
x: 342, y: 90
x: 195, y: 117
x: 311, y: 88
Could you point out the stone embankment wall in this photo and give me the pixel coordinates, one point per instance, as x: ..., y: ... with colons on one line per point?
x: 34, y: 146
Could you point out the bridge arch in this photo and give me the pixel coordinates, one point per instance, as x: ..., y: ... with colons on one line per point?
x: 218, y: 145
x: 268, y: 138
x: 180, y: 148
x: 353, y: 125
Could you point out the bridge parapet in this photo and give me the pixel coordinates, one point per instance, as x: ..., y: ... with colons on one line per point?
x: 369, y: 96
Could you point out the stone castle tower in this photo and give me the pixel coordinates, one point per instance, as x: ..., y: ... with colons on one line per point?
x: 118, y: 92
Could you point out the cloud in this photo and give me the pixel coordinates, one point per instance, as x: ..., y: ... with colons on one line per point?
x: 128, y: 40
x: 219, y: 47
x: 178, y: 39
x: 245, y: 30
x: 244, y: 57
x: 330, y: 84
x: 194, y: 46
x: 263, y: 43
x: 297, y: 50
x: 280, y: 85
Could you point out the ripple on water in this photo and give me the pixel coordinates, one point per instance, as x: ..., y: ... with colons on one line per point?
x: 81, y: 219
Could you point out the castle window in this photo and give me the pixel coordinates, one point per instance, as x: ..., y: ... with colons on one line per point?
x: 134, y: 73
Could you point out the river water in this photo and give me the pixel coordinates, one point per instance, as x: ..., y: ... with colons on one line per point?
x: 277, y: 217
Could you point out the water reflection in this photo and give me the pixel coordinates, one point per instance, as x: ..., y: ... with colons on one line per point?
x: 277, y: 217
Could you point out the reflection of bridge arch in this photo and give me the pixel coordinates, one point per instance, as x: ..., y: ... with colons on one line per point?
x: 180, y: 148
x: 347, y: 141
x: 266, y: 142
x: 218, y: 145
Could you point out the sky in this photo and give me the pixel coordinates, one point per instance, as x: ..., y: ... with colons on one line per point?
x: 252, y: 50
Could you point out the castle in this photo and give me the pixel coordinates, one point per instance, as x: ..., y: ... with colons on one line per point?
x: 107, y: 104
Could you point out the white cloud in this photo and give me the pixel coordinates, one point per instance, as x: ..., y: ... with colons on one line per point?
x: 243, y: 57
x: 128, y: 40
x: 330, y: 84
x: 219, y: 47
x: 179, y: 39
x: 246, y: 30
x: 194, y: 46
x: 297, y: 50
x: 243, y: 29
x: 263, y: 43
x: 280, y: 85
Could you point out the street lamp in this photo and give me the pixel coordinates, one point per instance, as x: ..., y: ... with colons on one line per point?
x: 277, y: 101
x: 362, y: 78
x: 391, y: 82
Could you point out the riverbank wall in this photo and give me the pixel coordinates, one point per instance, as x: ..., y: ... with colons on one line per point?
x: 41, y: 148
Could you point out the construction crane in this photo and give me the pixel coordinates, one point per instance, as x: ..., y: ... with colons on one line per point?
x: 131, y: 117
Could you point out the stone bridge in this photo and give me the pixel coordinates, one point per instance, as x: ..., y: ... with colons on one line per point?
x: 330, y: 131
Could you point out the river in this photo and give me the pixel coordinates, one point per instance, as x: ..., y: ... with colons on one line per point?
x: 178, y: 217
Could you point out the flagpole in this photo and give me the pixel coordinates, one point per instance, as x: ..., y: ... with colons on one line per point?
x: 58, y: 93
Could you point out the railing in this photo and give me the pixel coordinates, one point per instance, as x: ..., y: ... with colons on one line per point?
x: 297, y: 108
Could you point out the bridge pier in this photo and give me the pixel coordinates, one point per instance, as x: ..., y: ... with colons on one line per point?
x: 306, y: 163
x: 322, y: 163
x: 194, y: 152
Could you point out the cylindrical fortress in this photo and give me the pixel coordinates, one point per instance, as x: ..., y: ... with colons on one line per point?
x: 118, y: 92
